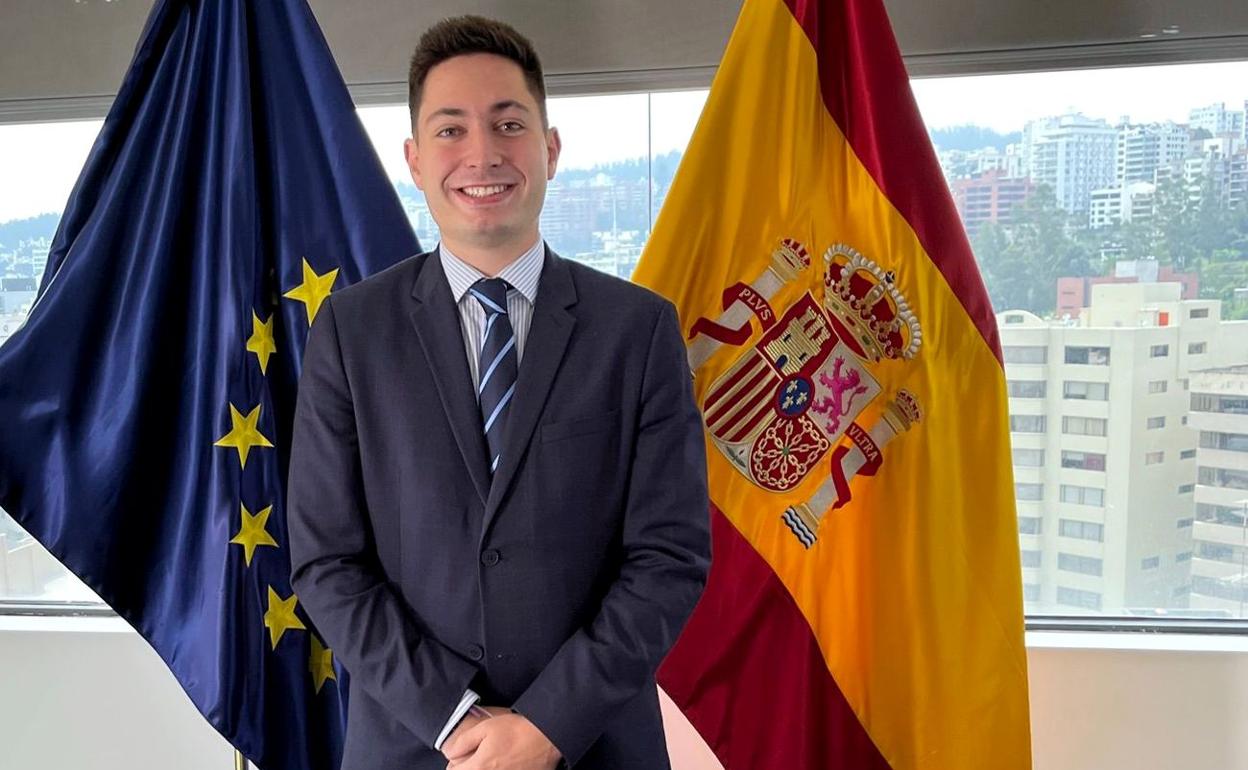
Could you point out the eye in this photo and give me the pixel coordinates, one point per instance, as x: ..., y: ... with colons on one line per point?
x: 511, y: 126
x: 448, y: 131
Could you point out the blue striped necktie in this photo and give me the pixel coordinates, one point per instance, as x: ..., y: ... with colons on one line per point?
x: 497, y: 368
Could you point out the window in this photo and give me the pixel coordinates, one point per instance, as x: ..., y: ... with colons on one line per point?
x: 1014, y: 318
x: 1083, y: 495
x: 1031, y: 592
x: 1184, y: 523
x: 1199, y: 312
x: 1157, y: 386
x: 1205, y: 402
x: 1152, y: 562
x: 1081, y: 530
x: 1155, y: 423
x: 1024, y: 354
x: 1084, y: 565
x: 1225, y: 478
x: 1030, y: 558
x: 1029, y: 492
x: 1074, y: 597
x: 41, y: 162
x: 1217, y: 552
x: 1084, y: 426
x: 1029, y: 458
x: 1087, y: 461
x: 1230, y: 442
x: 1196, y: 348
x: 1026, y: 388
x: 1186, y: 489
x: 1221, y: 514
x: 1087, y: 391
x: 1159, y: 351
x: 1154, y: 458
x: 1027, y: 423
x: 1187, y: 454
x: 1182, y: 557
x: 1087, y: 355
x: 1029, y: 525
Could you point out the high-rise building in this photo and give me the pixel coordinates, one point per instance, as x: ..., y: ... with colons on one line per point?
x: 1104, y: 463
x: 1219, y: 412
x: 988, y: 197
x: 1143, y: 148
x: 1217, y: 119
x: 1072, y: 155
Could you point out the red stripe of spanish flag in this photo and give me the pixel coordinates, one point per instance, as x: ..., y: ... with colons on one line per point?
x: 864, y: 608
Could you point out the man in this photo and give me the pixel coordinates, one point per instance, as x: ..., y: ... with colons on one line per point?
x: 498, y: 509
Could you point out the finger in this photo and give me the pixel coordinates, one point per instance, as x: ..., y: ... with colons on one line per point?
x: 464, y: 744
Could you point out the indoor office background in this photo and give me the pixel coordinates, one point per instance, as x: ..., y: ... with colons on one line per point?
x: 1076, y: 138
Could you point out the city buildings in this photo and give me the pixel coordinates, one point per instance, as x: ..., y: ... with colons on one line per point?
x: 1075, y: 293
x: 1072, y: 155
x: 1104, y: 462
x: 1219, y: 413
x: 988, y: 196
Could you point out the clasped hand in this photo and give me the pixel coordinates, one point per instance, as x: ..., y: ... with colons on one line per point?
x: 503, y: 741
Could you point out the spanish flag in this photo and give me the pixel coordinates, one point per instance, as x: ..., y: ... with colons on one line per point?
x: 864, y: 608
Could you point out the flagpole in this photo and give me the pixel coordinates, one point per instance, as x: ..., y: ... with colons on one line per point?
x: 240, y: 762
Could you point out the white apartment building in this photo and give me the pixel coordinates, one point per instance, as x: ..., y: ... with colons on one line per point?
x: 1072, y: 155
x: 1217, y: 119
x: 1114, y: 205
x: 1219, y: 412
x: 1104, y: 463
x: 1143, y: 148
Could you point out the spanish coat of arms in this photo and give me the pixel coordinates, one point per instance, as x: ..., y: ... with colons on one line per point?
x: 791, y: 400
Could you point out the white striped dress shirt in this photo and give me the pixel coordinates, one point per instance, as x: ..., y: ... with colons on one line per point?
x: 522, y: 276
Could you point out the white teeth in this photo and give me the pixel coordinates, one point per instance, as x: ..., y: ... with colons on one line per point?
x: 481, y: 192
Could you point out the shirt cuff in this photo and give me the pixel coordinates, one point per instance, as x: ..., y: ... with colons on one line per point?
x: 465, y: 703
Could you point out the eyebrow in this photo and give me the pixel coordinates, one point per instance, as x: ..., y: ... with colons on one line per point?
x: 457, y: 112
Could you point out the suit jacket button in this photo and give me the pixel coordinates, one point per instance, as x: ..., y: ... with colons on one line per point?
x: 490, y: 558
x: 475, y: 652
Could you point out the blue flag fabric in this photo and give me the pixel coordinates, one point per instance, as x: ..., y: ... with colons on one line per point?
x: 146, y: 404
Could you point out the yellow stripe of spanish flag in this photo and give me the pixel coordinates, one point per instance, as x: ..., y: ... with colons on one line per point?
x: 886, y: 601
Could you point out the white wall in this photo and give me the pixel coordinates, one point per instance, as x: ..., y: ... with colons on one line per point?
x: 88, y: 693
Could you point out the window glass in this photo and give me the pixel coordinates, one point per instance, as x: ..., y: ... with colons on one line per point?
x: 1088, y: 391
x: 1097, y: 181
x: 1160, y: 197
x: 1027, y: 423
x: 39, y: 164
x: 1026, y: 388
x: 1024, y: 354
x: 1029, y: 458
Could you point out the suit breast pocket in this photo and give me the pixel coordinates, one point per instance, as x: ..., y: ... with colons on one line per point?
x: 581, y: 426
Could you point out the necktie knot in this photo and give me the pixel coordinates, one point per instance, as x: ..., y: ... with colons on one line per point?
x: 492, y: 294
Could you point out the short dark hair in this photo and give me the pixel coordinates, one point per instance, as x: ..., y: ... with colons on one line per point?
x: 462, y: 35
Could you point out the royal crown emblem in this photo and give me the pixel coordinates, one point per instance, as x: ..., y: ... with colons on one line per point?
x: 791, y: 399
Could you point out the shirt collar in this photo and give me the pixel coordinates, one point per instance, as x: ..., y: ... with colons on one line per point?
x: 522, y: 275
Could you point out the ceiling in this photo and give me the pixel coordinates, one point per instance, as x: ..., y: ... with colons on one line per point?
x: 70, y: 55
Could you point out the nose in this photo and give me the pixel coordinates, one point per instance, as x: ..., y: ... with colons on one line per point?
x: 484, y: 149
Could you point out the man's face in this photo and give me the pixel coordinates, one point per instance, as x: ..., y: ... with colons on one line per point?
x: 480, y: 153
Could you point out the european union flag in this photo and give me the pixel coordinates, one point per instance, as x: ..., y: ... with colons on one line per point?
x: 146, y: 404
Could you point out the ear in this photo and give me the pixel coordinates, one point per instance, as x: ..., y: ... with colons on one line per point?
x: 411, y: 151
x: 553, y: 145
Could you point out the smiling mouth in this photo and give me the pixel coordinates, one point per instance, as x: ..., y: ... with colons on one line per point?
x: 485, y: 191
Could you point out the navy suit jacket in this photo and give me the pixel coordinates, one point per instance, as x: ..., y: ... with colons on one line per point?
x: 556, y: 587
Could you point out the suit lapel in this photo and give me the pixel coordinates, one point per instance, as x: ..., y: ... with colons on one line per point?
x: 436, y: 319
x: 547, y: 340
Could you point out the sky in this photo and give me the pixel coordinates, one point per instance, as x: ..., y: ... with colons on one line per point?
x: 39, y: 162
